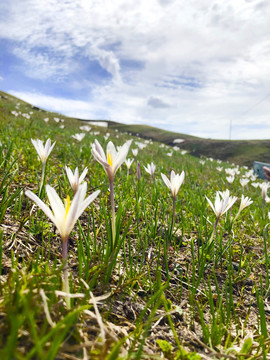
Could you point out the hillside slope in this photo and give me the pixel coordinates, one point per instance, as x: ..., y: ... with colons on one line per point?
x: 242, y: 152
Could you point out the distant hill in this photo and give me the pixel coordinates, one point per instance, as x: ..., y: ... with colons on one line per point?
x: 242, y: 152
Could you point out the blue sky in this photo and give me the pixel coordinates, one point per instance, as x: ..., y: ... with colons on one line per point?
x: 193, y: 67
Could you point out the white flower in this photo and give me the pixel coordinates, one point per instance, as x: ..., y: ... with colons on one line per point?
x: 135, y: 152
x: 150, y: 169
x: 230, y: 172
x: 129, y: 162
x: 64, y: 216
x: 222, y: 205
x: 245, y: 201
x: 78, y: 137
x: 244, y: 181
x: 169, y: 153
x: 43, y: 151
x: 85, y: 128
x: 219, y: 168
x: 46, y: 120
x: 230, y: 179
x: 226, y: 194
x: 74, y: 179
x: 183, y: 152
x: 113, y: 159
x: 174, y: 183
x: 264, y: 186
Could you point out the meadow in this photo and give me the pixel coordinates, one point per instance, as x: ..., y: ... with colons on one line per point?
x: 168, y: 279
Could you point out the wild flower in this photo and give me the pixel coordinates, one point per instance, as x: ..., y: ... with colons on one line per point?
x: 174, y: 185
x: 255, y: 184
x: 244, y: 181
x: 230, y: 179
x: 78, y: 137
x: 264, y: 187
x: 219, y: 168
x: 113, y: 159
x: 135, y: 152
x: 111, y: 163
x: 85, y: 128
x: 150, y: 169
x: 223, y: 202
x: 128, y: 163
x: 74, y: 179
x: 245, y: 201
x: 64, y: 216
x: 43, y: 153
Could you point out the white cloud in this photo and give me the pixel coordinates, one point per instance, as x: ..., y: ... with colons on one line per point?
x: 203, y: 64
x: 157, y: 103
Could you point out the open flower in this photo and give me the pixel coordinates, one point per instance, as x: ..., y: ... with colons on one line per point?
x: 134, y: 152
x: 64, y: 215
x: 43, y: 151
x: 129, y: 162
x: 74, y: 179
x: 230, y: 179
x: 150, y: 169
x: 113, y: 158
x: 78, y: 137
x: 244, y: 181
x: 245, y: 201
x: 174, y: 183
x: 222, y: 204
x: 111, y: 162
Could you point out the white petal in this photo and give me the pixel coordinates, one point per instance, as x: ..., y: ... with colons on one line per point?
x: 81, y: 178
x: 99, y: 150
x: 211, y: 204
x: 40, y: 204
x: 55, y: 202
x: 74, y: 209
x: 166, y: 181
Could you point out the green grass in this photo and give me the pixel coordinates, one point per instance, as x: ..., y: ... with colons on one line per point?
x: 182, y: 293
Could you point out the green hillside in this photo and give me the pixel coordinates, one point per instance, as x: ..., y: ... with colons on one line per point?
x: 241, y: 152
x: 167, y: 259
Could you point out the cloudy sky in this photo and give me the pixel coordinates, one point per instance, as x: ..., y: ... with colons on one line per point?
x: 190, y: 66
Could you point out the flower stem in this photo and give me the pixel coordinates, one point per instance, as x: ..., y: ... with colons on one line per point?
x: 113, y: 213
x: 65, y: 271
x: 173, y: 211
x: 42, y: 179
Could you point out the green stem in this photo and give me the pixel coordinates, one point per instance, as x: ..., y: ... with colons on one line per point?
x: 65, y: 271
x: 42, y: 178
x: 113, y: 213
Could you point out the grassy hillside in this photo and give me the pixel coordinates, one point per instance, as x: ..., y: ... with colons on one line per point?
x: 167, y: 275
x: 240, y: 152
x: 243, y: 152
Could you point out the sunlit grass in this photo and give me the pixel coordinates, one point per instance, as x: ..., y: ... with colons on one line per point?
x: 167, y: 282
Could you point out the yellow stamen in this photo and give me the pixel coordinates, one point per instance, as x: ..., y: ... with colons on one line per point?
x: 109, y: 156
x: 67, y: 204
